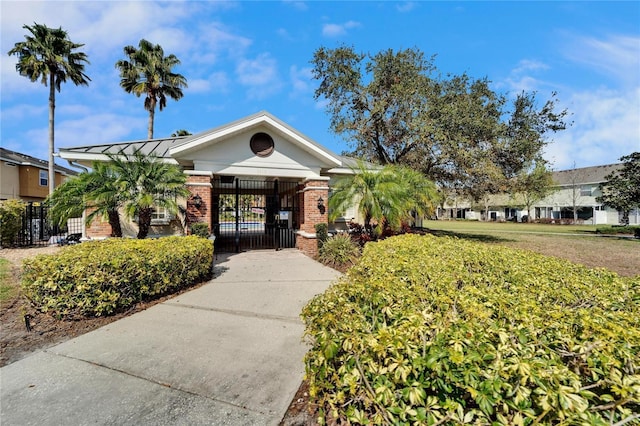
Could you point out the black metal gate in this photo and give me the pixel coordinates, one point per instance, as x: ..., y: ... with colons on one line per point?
x: 36, y: 230
x: 253, y: 214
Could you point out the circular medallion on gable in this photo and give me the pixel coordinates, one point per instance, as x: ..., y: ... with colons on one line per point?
x: 261, y: 144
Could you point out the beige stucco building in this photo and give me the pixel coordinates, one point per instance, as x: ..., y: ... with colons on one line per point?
x: 25, y: 177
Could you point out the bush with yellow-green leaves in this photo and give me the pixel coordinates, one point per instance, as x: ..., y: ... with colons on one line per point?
x: 426, y: 330
x: 103, y: 277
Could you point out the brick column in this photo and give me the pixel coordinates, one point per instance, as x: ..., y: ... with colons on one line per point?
x: 199, y: 183
x: 312, y: 190
x: 98, y: 228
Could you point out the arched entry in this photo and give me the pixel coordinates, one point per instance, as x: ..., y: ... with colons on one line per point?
x: 250, y: 214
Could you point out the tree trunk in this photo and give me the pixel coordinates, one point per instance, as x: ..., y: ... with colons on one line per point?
x: 52, y: 107
x: 114, y: 221
x: 152, y: 113
x: 144, y: 222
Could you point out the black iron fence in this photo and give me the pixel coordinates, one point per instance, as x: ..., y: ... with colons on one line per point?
x: 36, y: 230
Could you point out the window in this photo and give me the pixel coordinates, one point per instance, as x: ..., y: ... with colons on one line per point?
x: 44, y: 178
x: 585, y: 191
x: 160, y: 214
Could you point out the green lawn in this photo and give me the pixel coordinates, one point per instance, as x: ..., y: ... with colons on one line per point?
x: 577, y: 243
x: 491, y: 227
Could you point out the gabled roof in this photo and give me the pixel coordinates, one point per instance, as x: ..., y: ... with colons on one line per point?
x: 585, y: 175
x: 27, y: 160
x: 199, y: 140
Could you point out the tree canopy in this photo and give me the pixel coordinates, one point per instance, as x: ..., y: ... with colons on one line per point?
x: 393, y: 107
x: 148, y: 72
x: 621, y: 191
x: 49, y: 56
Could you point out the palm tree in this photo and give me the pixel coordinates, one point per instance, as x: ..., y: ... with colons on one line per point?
x: 181, y: 132
x: 95, y: 190
x: 148, y: 72
x: 49, y: 56
x: 387, y: 195
x: 146, y: 183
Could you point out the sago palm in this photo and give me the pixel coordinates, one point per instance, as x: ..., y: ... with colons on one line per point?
x: 148, y: 72
x: 49, y: 56
x: 146, y: 183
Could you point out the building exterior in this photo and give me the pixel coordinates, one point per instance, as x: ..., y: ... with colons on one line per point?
x: 256, y: 182
x: 576, y: 187
x: 27, y: 178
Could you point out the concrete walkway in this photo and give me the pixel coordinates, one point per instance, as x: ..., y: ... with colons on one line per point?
x: 227, y: 353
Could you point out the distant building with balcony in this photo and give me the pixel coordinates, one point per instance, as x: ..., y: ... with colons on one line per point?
x: 27, y: 178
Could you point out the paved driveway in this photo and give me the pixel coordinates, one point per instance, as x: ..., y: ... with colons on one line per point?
x: 227, y: 353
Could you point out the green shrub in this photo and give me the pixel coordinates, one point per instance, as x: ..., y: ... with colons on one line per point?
x: 10, y: 221
x: 102, y: 277
x: 322, y: 233
x: 428, y: 330
x: 339, y: 251
x: 614, y: 230
x: 200, y: 229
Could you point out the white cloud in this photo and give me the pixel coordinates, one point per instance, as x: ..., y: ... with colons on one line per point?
x: 91, y: 130
x: 260, y: 75
x: 216, y: 82
x: 336, y: 30
x: 301, y: 81
x: 606, y: 126
x: 617, y: 56
x: 299, y: 5
x: 526, y: 65
x: 406, y: 6
x: 25, y: 111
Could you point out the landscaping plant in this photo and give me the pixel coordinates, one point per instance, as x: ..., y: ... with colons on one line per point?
x: 339, y: 251
x: 102, y: 277
x: 200, y: 229
x: 426, y: 330
x: 11, y: 212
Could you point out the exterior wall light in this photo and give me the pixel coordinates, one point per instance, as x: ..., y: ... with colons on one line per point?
x: 197, y: 201
x: 320, y: 204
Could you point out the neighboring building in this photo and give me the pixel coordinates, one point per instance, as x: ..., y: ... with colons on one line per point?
x: 257, y: 183
x: 27, y: 178
x: 579, y: 187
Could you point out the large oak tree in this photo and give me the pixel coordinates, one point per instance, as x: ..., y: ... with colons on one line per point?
x: 394, y: 107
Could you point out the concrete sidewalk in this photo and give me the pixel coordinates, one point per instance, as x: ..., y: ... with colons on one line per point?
x: 227, y: 353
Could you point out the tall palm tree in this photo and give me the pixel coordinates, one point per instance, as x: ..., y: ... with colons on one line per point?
x: 49, y: 56
x: 387, y: 195
x: 146, y: 183
x: 148, y: 72
x: 95, y: 190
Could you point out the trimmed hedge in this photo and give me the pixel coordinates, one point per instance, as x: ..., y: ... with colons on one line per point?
x: 102, y: 277
x: 428, y: 330
x: 614, y: 230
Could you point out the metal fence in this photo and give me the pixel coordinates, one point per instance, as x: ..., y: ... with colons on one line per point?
x: 36, y: 230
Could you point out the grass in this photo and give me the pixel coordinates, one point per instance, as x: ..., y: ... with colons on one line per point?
x: 507, y: 227
x: 577, y: 243
x: 7, y: 288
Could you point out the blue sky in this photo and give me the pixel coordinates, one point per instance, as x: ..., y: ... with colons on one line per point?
x: 243, y: 57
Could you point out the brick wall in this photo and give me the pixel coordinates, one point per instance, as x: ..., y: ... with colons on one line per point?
x: 97, y: 228
x: 199, y: 185
x: 311, y: 215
